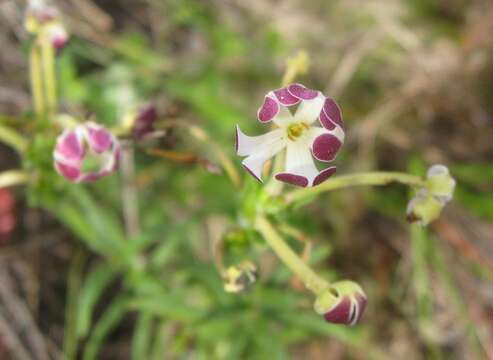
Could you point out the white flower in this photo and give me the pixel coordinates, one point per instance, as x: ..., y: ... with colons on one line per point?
x: 298, y: 133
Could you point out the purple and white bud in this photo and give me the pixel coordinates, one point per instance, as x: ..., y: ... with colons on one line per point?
x: 87, y: 152
x: 342, y: 303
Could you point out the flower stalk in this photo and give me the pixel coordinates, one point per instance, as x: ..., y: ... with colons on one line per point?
x: 37, y: 82
x: 311, y: 280
x: 376, y: 178
x: 48, y: 62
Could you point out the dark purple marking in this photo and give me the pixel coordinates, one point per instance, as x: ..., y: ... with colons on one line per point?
x: 333, y: 113
x: 325, y: 147
x: 285, y: 98
x: 292, y: 179
x: 268, y: 110
x: 324, y: 175
x: 302, y: 92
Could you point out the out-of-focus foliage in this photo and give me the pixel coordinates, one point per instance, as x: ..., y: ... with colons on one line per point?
x: 406, y: 75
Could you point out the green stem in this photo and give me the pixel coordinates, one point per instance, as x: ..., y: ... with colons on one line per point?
x: 48, y: 59
x: 312, y: 281
x: 13, y: 177
x: 37, y: 82
x: 13, y: 139
x: 376, y: 178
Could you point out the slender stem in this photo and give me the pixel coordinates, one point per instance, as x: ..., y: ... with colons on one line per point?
x: 359, y: 179
x: 312, y: 281
x: 37, y: 82
x: 129, y: 191
x: 13, y: 177
x: 12, y: 138
x: 48, y: 59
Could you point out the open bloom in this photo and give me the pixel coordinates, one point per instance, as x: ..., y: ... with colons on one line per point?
x: 297, y: 132
x: 429, y: 201
x: 342, y: 303
x: 86, y: 153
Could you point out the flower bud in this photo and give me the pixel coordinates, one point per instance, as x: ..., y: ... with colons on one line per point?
x: 342, y: 303
x: 44, y: 20
x: 238, y: 278
x: 429, y: 201
x: 57, y: 35
x: 86, y: 153
x: 143, y: 123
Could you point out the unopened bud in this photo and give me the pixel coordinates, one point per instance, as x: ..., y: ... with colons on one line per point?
x: 342, y: 303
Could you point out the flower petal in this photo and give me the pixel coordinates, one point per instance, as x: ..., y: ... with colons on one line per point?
x: 247, y: 145
x: 331, y: 115
x: 269, y: 109
x: 285, y: 97
x: 300, y: 168
x: 302, y: 92
x: 70, y: 146
x: 254, y: 163
x: 324, y: 175
x: 297, y: 180
x: 99, y: 138
x: 309, y: 110
x: 325, y: 147
x: 71, y: 173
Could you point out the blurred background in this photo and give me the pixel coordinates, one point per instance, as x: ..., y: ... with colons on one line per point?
x: 414, y: 80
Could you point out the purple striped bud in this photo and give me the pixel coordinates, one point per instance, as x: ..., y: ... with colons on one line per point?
x: 342, y: 303
x: 86, y: 153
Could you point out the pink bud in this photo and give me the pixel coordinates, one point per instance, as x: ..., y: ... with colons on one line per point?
x: 86, y: 153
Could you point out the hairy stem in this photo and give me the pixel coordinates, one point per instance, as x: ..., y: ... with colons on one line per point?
x: 311, y: 280
x: 376, y: 178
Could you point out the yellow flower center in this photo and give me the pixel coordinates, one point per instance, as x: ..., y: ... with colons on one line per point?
x: 296, y: 130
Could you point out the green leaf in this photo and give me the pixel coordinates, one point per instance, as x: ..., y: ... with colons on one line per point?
x: 141, y: 340
x: 108, y: 321
x: 93, y: 287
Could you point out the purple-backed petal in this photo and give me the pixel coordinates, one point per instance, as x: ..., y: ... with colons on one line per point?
x: 340, y: 313
x: 285, y: 98
x: 292, y: 179
x: 99, y: 138
x: 301, y: 92
x: 325, y: 147
x: 331, y: 115
x: 326, y: 122
x: 269, y: 109
x: 70, y: 147
x: 71, y: 173
x: 324, y: 175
